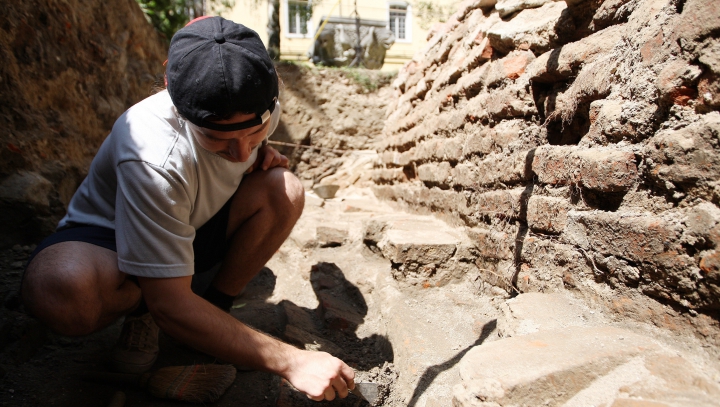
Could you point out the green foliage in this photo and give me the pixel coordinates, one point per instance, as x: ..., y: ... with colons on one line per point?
x: 429, y: 12
x: 168, y: 16
x: 368, y: 79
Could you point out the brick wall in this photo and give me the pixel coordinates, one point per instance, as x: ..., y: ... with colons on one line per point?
x: 577, y: 141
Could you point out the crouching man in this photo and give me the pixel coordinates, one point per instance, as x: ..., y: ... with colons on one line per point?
x: 185, y: 181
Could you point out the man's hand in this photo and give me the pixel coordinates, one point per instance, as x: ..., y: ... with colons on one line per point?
x: 320, y: 375
x: 267, y: 158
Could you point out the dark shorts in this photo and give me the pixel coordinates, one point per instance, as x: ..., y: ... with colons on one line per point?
x: 209, y: 245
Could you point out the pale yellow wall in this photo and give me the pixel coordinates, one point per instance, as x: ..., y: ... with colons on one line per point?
x: 254, y: 14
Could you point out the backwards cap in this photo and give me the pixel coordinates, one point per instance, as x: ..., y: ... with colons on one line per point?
x: 217, y: 68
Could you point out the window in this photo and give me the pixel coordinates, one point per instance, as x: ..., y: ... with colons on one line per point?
x: 398, y: 21
x: 298, y: 16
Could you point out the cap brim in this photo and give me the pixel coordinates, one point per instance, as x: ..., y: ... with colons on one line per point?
x: 261, y: 119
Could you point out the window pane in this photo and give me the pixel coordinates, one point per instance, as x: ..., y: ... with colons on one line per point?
x: 292, y: 18
x: 298, y: 13
x: 397, y: 21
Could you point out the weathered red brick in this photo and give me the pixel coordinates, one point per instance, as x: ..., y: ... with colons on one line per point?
x: 434, y: 172
x: 640, y: 238
x: 600, y: 169
x: 547, y: 214
x: 492, y: 244
x: 514, y: 64
x: 506, y: 204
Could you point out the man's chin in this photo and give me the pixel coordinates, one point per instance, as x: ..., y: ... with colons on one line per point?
x: 229, y: 158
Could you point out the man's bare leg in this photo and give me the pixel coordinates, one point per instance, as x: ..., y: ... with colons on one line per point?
x: 263, y: 212
x: 76, y: 288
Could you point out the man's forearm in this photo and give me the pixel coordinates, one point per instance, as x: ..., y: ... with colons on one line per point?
x: 192, y: 320
x: 196, y: 322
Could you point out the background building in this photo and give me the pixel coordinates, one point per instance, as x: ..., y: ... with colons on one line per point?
x: 300, y: 19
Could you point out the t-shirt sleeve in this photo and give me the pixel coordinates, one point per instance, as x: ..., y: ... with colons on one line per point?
x: 152, y: 228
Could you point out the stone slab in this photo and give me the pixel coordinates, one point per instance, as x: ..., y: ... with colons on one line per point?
x: 568, y: 366
x: 529, y: 313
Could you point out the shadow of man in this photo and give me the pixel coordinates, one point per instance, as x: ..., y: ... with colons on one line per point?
x: 332, y: 326
x: 433, y: 371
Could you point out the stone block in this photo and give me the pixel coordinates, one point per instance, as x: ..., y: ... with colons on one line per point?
x: 687, y: 155
x: 529, y: 313
x: 564, y: 62
x: 615, y: 120
x: 388, y: 175
x: 396, y: 158
x: 450, y: 148
x: 574, y: 366
x: 533, y: 29
x: 676, y: 82
x: 421, y: 248
x: 507, y: 7
x: 699, y: 19
x: 478, y: 143
x: 469, y: 5
x: 470, y: 84
x: 478, y: 55
x: 510, y: 102
x: 332, y: 235
x: 511, y: 168
x: 550, y: 265
x: 612, y: 12
x: 601, y: 169
x: 505, y: 204
x: 448, y: 121
x: 492, y: 244
x: 465, y: 175
x: 27, y: 188
x: 434, y: 172
x: 547, y: 214
x: 505, y: 134
x: 638, y: 237
x: 703, y: 224
x: 509, y: 67
x: 476, y: 108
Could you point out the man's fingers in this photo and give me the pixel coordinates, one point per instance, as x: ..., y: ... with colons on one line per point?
x: 340, y: 386
x: 268, y: 159
x: 316, y: 398
x: 348, y: 374
x: 330, y: 393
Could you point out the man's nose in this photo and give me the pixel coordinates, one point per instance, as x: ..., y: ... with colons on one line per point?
x: 240, y: 150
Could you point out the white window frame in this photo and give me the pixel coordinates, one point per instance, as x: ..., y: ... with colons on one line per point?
x: 408, y: 20
x: 286, y: 20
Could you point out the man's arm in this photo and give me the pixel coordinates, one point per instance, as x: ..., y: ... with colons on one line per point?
x: 189, y: 318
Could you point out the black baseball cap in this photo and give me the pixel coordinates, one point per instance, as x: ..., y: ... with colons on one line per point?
x: 217, y: 68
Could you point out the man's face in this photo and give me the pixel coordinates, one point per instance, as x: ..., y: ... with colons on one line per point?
x: 235, y: 146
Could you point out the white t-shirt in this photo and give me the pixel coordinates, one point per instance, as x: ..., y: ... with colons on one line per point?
x: 155, y: 185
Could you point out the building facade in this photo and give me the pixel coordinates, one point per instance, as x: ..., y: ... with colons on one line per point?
x: 301, y: 19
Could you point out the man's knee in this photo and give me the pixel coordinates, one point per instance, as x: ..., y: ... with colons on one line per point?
x: 61, y: 299
x: 286, y: 194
